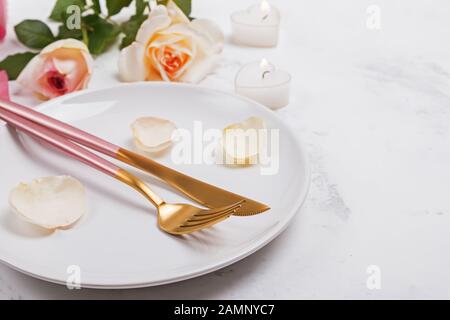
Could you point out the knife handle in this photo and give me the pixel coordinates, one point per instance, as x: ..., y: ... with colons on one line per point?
x: 70, y: 132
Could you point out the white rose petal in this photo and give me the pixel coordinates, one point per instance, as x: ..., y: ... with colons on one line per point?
x: 65, y: 43
x: 131, y: 63
x: 30, y: 73
x: 50, y: 202
x: 200, y: 69
x: 191, y: 35
x: 71, y: 44
x: 158, y: 19
x: 175, y: 13
x: 153, y: 134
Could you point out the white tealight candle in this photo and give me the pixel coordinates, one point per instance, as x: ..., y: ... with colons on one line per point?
x: 257, y: 26
x: 262, y: 82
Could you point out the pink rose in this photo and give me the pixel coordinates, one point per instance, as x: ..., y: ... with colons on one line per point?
x: 2, y: 19
x: 62, y: 67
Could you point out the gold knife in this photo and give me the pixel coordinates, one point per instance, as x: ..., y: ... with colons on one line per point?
x: 199, y: 191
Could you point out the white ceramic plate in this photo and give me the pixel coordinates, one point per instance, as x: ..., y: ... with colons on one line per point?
x: 117, y: 244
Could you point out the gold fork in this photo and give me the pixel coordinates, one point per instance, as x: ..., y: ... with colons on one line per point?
x: 172, y: 218
x: 179, y: 218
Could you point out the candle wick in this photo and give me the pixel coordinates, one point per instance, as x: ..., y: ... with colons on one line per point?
x: 265, y: 17
x: 265, y: 73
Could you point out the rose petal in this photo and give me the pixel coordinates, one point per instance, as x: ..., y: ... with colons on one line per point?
x: 164, y: 40
x: 175, y: 13
x: 81, y: 49
x: 158, y: 19
x: 65, y: 43
x: 33, y: 71
x: 131, y: 63
x: 154, y: 58
x: 191, y: 53
x: 69, y: 57
x: 211, y: 31
x: 50, y: 202
x: 201, y: 39
x: 89, y: 60
x: 200, y: 68
x: 72, y: 65
x: 178, y: 44
x: 64, y: 66
x: 45, y: 89
x: 153, y: 134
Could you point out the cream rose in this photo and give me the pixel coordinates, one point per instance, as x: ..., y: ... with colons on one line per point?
x: 169, y: 47
x: 62, y: 67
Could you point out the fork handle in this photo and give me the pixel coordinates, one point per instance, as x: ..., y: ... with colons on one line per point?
x: 79, y: 153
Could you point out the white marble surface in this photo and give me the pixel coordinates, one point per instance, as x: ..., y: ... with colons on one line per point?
x: 373, y: 106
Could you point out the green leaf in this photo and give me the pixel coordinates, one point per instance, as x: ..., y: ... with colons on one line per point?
x: 34, y: 34
x: 96, y: 6
x: 185, y: 6
x: 101, y: 33
x: 60, y: 8
x: 140, y: 7
x: 130, y: 29
x: 64, y: 33
x: 14, y: 64
x: 115, y: 6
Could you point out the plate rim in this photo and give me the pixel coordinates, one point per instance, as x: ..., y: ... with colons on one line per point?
x: 223, y: 262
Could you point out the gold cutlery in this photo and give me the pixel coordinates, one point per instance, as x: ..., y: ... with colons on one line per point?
x: 172, y: 218
x: 205, y: 194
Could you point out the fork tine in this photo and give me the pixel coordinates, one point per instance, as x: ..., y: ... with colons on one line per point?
x: 200, y: 223
x: 190, y: 229
x: 200, y: 218
x: 218, y: 211
x: 194, y: 223
x: 205, y: 219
